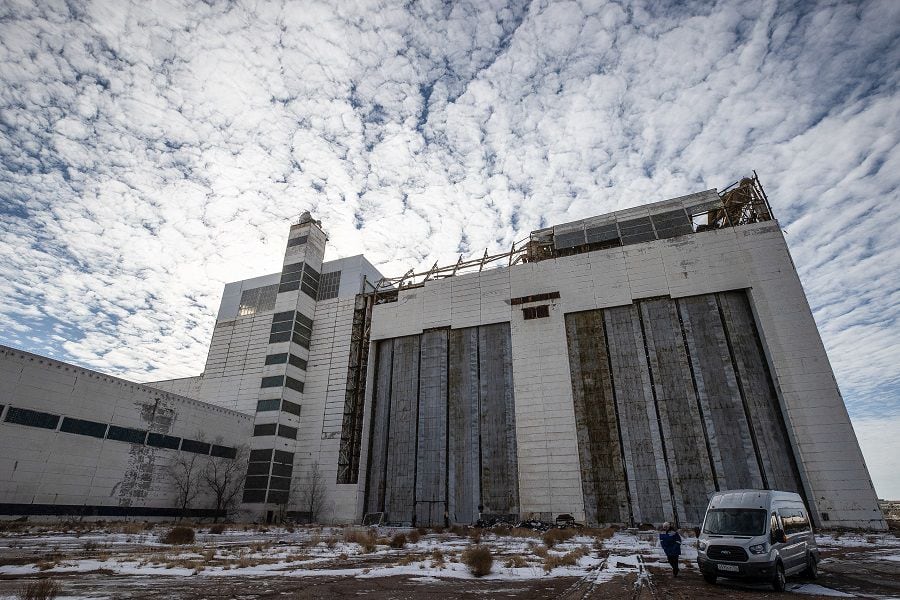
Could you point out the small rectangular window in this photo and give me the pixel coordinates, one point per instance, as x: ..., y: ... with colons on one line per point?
x: 282, y: 336
x: 158, y: 440
x: 292, y: 268
x: 264, y: 455
x: 296, y: 361
x: 195, y: 446
x: 282, y: 470
x: 273, y: 381
x: 282, y: 326
x: 287, y: 315
x: 277, y: 359
x: 31, y: 418
x: 300, y: 340
x: 81, y: 427
x: 290, y: 407
x: 258, y: 468
x: 536, y: 312
x: 297, y: 241
x: 224, y: 451
x: 285, y: 458
x: 256, y: 482
x: 279, y: 483
x: 304, y: 320
x: 329, y: 285
x: 294, y: 384
x: 289, y: 287
x: 286, y: 431
x: 251, y: 496
x: 266, y: 429
x: 267, y: 405
x: 126, y: 434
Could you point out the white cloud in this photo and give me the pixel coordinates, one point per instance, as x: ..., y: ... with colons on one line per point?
x: 152, y: 152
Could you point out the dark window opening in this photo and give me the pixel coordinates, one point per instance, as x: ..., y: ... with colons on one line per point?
x: 264, y: 455
x: 297, y: 361
x: 195, y: 446
x: 258, y: 468
x: 81, y: 427
x: 256, y: 482
x: 273, y: 381
x: 224, y: 451
x: 329, y: 285
x: 279, y: 337
x: 278, y: 497
x: 267, y: 405
x: 536, y: 312
x: 279, y: 483
x: 534, y: 298
x: 282, y: 470
x: 126, y: 434
x: 284, y: 457
x: 266, y: 429
x: 277, y: 359
x: 297, y: 241
x: 290, y: 407
x: 286, y: 431
x: 290, y: 382
x: 158, y: 440
x: 31, y: 418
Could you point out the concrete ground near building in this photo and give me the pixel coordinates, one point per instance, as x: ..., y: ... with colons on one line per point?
x: 129, y: 561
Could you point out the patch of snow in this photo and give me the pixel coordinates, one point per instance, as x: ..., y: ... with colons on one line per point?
x: 817, y: 590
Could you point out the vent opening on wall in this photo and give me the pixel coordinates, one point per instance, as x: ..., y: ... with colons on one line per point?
x: 536, y: 312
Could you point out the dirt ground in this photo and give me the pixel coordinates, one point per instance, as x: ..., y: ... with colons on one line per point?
x: 313, y: 564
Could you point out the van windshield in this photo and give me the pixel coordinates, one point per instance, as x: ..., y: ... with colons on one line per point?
x: 735, y: 521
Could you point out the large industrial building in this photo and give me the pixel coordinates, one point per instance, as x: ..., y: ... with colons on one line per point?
x: 619, y: 369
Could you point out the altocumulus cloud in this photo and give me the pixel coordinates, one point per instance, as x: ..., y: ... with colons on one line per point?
x: 153, y: 151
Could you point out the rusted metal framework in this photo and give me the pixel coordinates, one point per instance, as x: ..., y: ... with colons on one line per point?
x: 740, y: 203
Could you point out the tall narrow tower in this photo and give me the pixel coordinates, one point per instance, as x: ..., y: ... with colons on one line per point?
x: 284, y: 372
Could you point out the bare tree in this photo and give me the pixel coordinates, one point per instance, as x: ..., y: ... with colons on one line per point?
x: 224, y: 478
x: 313, y: 493
x: 185, y: 473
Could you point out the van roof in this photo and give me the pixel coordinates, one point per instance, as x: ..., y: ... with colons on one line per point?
x: 750, y: 498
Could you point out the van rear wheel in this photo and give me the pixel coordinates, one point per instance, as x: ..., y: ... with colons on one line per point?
x: 709, y: 578
x: 778, y: 581
x: 812, y: 567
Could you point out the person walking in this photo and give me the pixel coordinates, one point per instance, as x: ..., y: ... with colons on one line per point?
x: 671, y: 545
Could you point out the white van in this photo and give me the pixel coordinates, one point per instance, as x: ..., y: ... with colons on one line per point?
x: 757, y: 534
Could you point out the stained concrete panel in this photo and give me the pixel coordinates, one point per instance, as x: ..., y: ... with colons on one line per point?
x: 643, y: 452
x: 499, y: 470
x: 431, y: 455
x: 399, y: 492
x: 602, y: 469
x: 464, y: 485
x: 381, y: 407
x: 687, y: 458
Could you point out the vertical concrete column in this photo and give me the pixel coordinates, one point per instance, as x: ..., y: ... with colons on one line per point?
x: 463, y: 481
x: 431, y: 454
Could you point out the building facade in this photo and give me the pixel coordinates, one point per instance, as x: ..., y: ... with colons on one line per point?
x: 620, y: 369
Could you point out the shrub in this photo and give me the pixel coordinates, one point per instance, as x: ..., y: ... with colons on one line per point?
x: 475, y: 535
x: 414, y: 536
x: 217, y: 529
x: 437, y: 558
x: 479, y: 560
x: 554, y: 536
x: 398, y: 541
x: 569, y: 559
x: 179, y: 535
x: 516, y: 561
x: 42, y: 589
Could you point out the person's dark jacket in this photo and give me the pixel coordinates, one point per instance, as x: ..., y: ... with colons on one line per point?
x: 670, y: 542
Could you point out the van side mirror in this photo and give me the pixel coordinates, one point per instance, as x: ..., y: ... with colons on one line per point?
x: 778, y: 536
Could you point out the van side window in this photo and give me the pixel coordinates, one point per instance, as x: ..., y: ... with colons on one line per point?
x: 794, y: 519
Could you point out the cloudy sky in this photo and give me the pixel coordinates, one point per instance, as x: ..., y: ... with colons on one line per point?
x: 152, y: 151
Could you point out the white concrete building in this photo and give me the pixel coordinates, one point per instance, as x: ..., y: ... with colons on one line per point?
x: 619, y: 369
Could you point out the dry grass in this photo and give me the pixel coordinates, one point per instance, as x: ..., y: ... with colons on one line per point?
x: 479, y: 560
x: 569, y: 559
x: 42, y: 589
x: 516, y: 561
x: 365, y: 539
x: 554, y: 536
x: 437, y: 559
x: 414, y: 536
x: 217, y: 529
x: 539, y: 551
x: 179, y: 535
x: 398, y: 541
x: 516, y: 532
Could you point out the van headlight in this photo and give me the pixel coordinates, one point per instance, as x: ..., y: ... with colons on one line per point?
x: 701, y: 545
x: 759, y: 548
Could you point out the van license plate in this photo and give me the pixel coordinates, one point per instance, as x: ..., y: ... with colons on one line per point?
x: 732, y: 568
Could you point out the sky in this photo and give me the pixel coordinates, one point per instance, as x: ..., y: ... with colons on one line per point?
x: 150, y: 152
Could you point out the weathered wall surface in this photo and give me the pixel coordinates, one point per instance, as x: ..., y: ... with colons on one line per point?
x: 58, y: 445
x: 730, y: 374
x: 443, y: 443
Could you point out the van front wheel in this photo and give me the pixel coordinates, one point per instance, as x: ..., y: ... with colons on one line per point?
x: 812, y: 567
x: 778, y: 580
